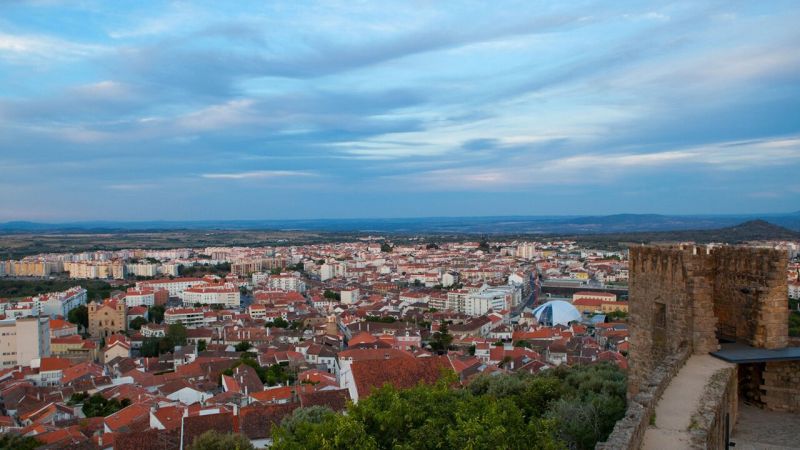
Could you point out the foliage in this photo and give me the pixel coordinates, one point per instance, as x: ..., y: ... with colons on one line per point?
x: 136, y: 324
x: 617, y: 315
x: 524, y: 344
x: 95, y: 289
x: 329, y: 294
x: 10, y: 441
x: 441, y: 340
x: 390, y: 418
x: 98, y: 406
x: 276, y: 271
x: 79, y: 316
x: 213, y: 440
x: 156, y: 313
x: 381, y: 319
x: 198, y: 271
x: 77, y: 398
x: 153, y: 346
x: 243, y: 346
x: 271, y: 376
x: 432, y: 246
x: 562, y: 408
x: 279, y: 322
x: 201, y: 345
x: 176, y: 334
x: 794, y: 324
x: 386, y: 248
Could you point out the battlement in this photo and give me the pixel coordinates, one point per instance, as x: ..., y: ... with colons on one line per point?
x: 695, y: 296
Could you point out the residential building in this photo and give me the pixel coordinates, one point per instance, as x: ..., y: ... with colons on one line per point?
x: 227, y: 295
x: 24, y: 340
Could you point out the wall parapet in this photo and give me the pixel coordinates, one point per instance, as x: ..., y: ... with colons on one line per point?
x: 629, y: 431
x: 707, y: 425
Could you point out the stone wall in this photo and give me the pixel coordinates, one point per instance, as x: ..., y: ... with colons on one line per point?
x: 708, y: 424
x: 750, y: 295
x: 780, y: 390
x: 628, y: 433
x: 659, y: 310
x: 685, y: 297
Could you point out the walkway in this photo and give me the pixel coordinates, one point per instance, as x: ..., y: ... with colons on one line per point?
x: 757, y: 429
x: 680, y: 400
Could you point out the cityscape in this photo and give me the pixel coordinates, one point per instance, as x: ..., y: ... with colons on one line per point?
x: 377, y: 225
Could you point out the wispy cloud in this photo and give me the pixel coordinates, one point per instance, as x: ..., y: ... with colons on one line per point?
x: 257, y: 174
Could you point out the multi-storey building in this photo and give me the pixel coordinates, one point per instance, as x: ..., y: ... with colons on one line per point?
x: 140, y: 297
x: 287, y: 282
x: 23, y: 340
x: 61, y: 303
x: 175, y: 286
x: 227, y: 295
x: 190, y: 317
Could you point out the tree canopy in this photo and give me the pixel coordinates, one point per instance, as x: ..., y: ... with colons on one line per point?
x: 79, y: 316
x: 213, y: 440
x: 563, y: 408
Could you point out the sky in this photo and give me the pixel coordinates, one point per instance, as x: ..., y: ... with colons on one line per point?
x: 141, y: 110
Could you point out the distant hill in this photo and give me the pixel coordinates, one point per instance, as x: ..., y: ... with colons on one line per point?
x: 494, y: 225
x: 753, y: 230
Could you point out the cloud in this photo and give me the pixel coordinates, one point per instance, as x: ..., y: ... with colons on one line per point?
x: 39, y: 49
x: 257, y: 174
x: 593, y: 169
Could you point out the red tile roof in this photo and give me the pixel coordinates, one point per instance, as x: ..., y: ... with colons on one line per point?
x: 399, y: 372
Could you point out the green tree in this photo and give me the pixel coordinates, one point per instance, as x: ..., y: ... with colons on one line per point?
x: 201, y: 345
x: 213, y: 440
x: 176, y: 334
x: 279, y: 322
x: 150, y: 347
x: 10, y: 441
x: 243, y: 346
x: 156, y: 313
x: 79, y: 316
x: 136, y: 324
x: 98, y: 406
x: 386, y: 248
x: 441, y: 339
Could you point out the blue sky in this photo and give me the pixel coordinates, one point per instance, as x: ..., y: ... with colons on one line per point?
x: 137, y: 110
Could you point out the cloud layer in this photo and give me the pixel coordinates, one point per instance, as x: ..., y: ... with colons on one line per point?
x: 133, y: 110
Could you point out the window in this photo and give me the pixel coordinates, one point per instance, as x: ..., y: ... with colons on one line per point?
x: 660, y: 317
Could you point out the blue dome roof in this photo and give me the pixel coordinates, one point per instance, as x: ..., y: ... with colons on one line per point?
x: 556, y: 312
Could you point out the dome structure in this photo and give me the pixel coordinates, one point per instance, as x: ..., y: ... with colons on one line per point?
x: 556, y: 312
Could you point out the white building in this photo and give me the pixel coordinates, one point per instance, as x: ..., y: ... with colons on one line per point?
x: 142, y: 269
x: 287, y: 282
x: 227, y: 295
x: 350, y: 296
x: 23, y: 340
x: 189, y: 317
x: 61, y: 303
x: 175, y: 287
x: 140, y: 297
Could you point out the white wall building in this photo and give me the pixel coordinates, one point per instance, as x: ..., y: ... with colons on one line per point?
x: 227, y: 295
x: 23, y: 340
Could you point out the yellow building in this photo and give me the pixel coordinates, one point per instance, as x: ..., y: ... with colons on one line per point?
x: 74, y: 348
x: 107, y: 318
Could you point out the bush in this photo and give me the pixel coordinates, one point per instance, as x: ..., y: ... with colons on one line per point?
x: 562, y: 408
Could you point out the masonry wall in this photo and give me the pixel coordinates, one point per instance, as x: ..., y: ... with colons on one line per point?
x: 719, y: 400
x: 780, y: 390
x: 689, y: 297
x: 670, y: 308
x: 750, y: 296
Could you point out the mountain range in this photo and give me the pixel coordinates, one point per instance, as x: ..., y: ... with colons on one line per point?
x: 617, y: 223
